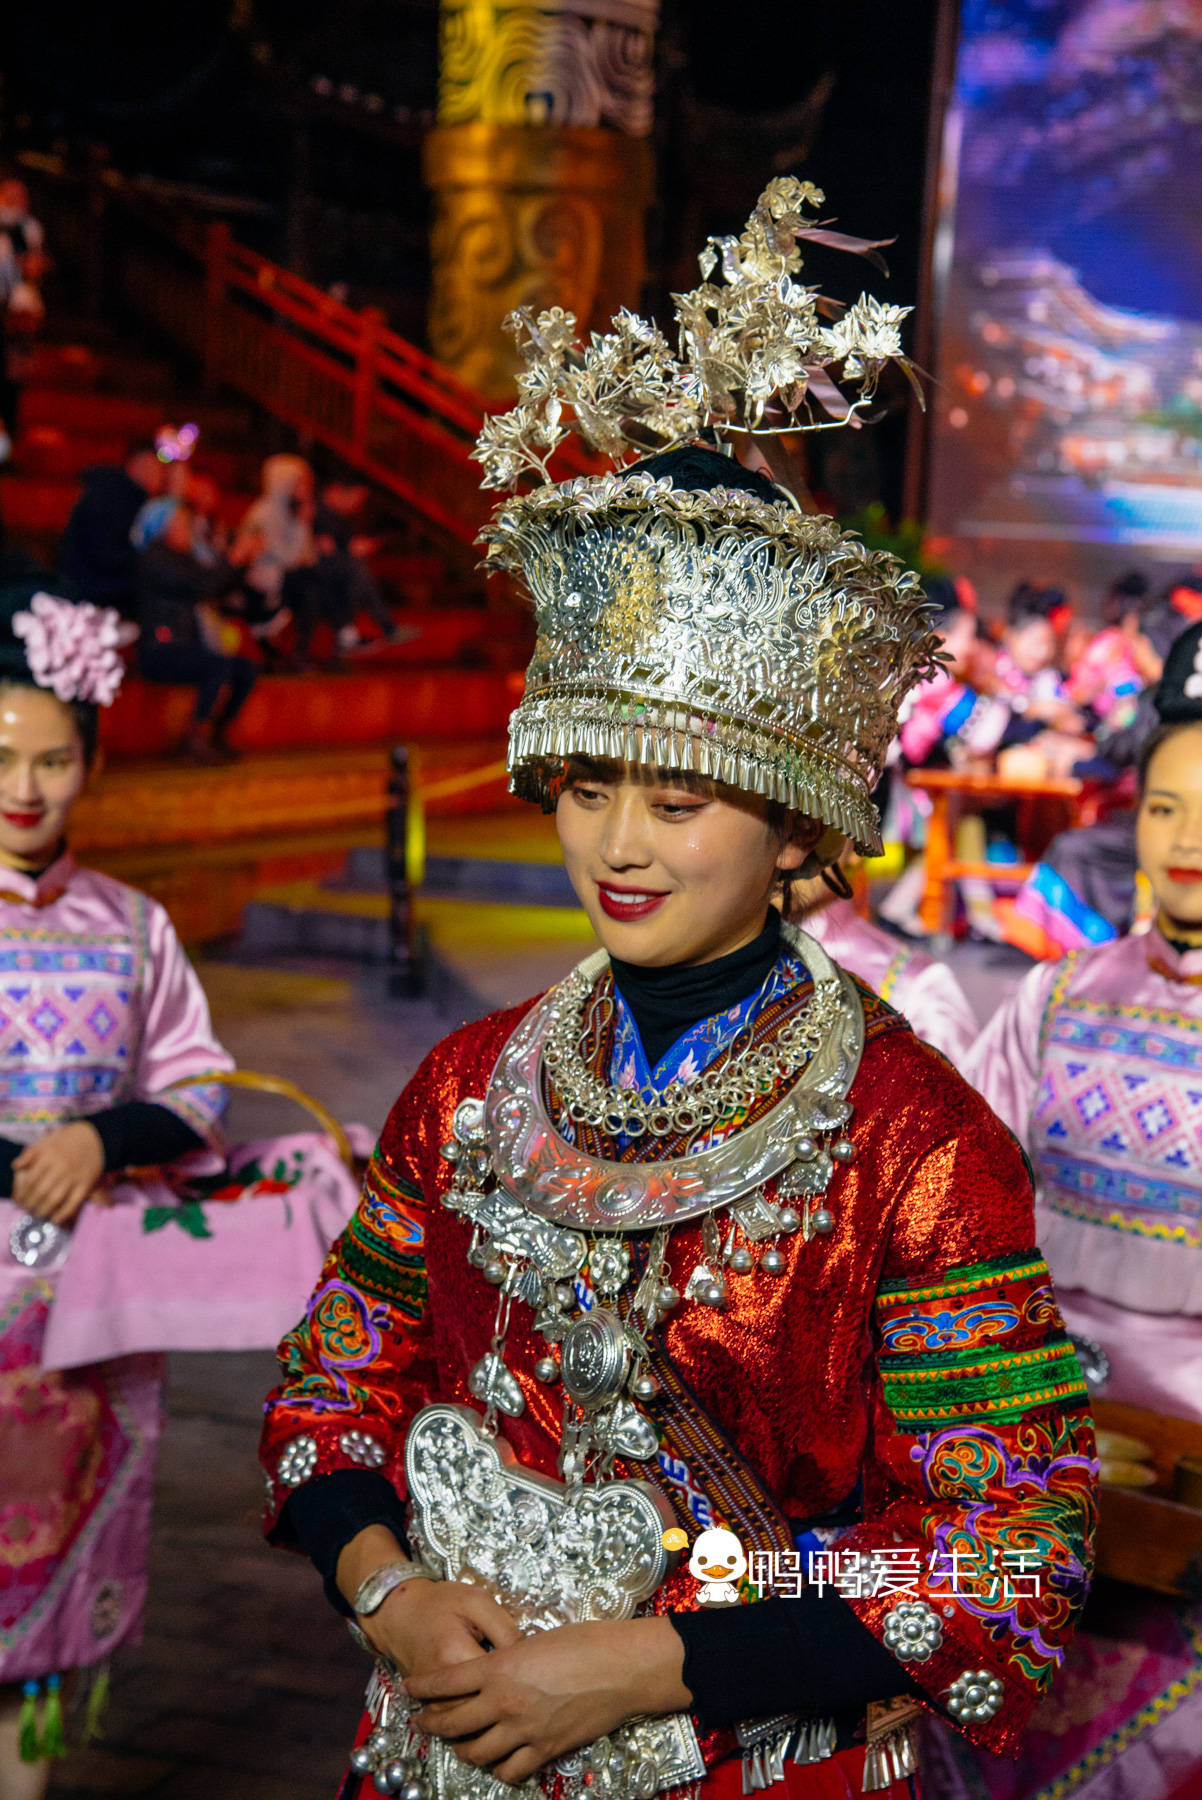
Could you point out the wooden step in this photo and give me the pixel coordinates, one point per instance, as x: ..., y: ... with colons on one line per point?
x: 94, y: 411
x: 293, y: 712
x: 50, y: 451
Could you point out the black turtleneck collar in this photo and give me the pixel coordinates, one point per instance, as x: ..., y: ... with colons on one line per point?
x: 665, y: 1002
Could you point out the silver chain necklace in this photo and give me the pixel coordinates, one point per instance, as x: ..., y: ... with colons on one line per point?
x: 718, y: 1094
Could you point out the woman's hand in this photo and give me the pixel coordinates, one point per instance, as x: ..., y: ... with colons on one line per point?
x: 524, y: 1705
x: 53, y: 1178
x: 426, y: 1627
x: 422, y: 1625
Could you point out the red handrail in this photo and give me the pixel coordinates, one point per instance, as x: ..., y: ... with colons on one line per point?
x: 341, y: 377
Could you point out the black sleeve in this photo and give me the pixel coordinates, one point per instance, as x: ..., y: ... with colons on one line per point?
x: 324, y: 1514
x: 140, y: 1132
x: 134, y: 1133
x: 809, y: 1655
x: 8, y: 1155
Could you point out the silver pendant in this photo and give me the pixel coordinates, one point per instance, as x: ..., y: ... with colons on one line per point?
x: 555, y: 1251
x: 757, y: 1217
x: 36, y: 1243
x: 595, y: 1358
x: 552, y: 1554
x: 805, y: 1180
x: 630, y: 1433
x: 494, y: 1384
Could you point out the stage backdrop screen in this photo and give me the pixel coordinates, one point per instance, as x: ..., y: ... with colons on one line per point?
x: 1067, y: 415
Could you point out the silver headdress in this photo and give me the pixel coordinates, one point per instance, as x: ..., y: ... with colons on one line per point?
x: 710, y: 629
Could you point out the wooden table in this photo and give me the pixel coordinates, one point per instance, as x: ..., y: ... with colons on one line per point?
x: 1145, y: 1536
x: 1076, y: 803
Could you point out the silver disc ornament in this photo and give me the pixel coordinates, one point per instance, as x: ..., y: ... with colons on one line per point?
x: 595, y: 1358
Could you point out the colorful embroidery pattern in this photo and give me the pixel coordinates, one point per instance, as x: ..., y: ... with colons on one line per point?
x: 342, y: 1334
x: 892, y: 975
x: 248, y: 1182
x: 68, y: 1023
x: 65, y: 957
x: 1117, y: 1120
x: 1124, y: 1190
x: 1023, y: 1500
x: 985, y: 1342
x: 381, y: 1250
x: 923, y: 1395
x: 703, y: 1042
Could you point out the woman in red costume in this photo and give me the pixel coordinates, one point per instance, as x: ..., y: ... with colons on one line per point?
x: 703, y: 1248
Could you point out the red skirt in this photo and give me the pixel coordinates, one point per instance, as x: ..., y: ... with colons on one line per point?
x: 837, y: 1777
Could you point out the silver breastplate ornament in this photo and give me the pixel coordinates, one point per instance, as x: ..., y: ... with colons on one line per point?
x: 550, y: 1229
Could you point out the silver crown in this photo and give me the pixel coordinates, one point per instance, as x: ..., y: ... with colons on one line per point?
x: 714, y: 632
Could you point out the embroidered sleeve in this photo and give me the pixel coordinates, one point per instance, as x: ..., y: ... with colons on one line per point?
x: 981, y: 1494
x: 360, y: 1362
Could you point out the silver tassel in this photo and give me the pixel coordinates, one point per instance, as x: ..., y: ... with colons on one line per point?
x: 891, y: 1759
x: 815, y: 1742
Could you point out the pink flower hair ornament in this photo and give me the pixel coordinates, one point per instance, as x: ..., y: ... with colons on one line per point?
x: 74, y: 648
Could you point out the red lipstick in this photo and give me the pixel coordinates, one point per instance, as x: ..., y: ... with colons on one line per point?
x: 628, y: 903
x: 1184, y: 875
x: 24, y: 821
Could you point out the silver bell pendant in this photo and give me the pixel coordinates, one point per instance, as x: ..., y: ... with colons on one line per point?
x: 822, y: 1221
x: 772, y: 1262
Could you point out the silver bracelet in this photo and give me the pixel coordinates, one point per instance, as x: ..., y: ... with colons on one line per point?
x: 373, y: 1592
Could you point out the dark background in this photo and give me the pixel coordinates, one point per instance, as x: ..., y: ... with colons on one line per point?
x: 315, y: 110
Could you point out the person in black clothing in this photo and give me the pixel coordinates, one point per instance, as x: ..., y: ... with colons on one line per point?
x: 343, y: 579
x: 172, y: 584
x: 96, y: 554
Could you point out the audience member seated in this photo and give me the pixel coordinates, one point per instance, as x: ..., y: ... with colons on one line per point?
x: 96, y: 554
x: 182, y: 634
x: 1046, y: 734
x: 274, y: 547
x: 1119, y: 661
x: 22, y: 266
x: 1082, y: 889
x: 188, y: 486
x: 949, y: 719
x: 347, y: 588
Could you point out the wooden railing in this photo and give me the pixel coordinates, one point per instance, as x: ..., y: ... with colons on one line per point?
x: 333, y: 374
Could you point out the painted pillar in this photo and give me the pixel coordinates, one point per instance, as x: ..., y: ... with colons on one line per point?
x: 541, y: 170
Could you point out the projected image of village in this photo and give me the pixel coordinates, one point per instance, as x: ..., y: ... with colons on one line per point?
x: 1069, y: 401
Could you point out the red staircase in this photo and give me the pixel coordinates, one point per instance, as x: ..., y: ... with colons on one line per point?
x: 337, y: 376
x: 314, y: 784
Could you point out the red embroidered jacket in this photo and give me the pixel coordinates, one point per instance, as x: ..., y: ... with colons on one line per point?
x: 917, y: 1348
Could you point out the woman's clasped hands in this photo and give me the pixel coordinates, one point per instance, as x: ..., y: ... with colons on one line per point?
x: 512, y: 1703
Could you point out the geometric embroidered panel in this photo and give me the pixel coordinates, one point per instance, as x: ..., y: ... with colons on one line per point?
x: 1121, y: 1088
x: 67, y: 1025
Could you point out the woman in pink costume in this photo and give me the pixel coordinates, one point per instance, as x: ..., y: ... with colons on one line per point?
x: 104, y: 1041
x: 1096, y: 1063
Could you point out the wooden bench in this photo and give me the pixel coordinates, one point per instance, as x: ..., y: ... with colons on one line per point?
x: 1044, y: 807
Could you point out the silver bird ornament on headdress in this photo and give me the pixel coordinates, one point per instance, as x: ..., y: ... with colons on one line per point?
x: 707, y: 628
